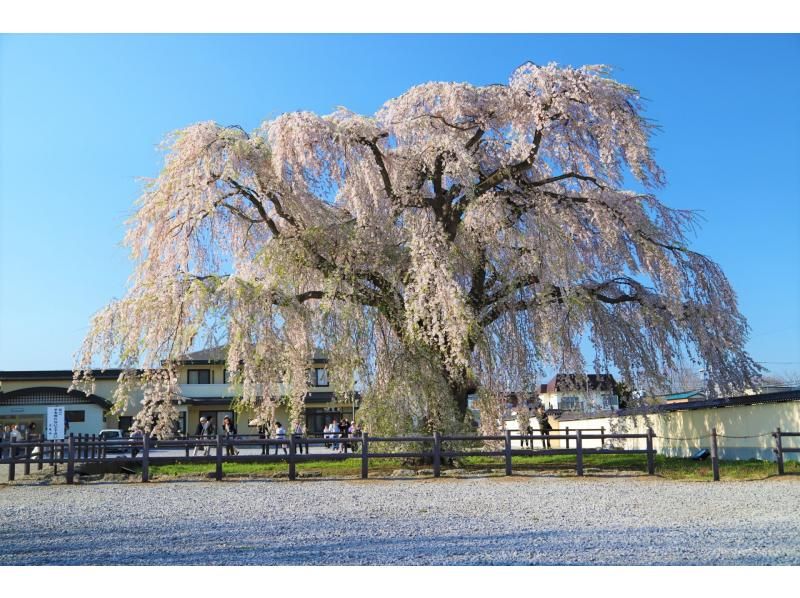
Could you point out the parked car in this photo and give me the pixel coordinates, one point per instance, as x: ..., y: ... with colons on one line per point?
x: 115, y: 441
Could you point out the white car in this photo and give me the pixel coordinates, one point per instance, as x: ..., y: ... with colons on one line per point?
x: 116, y: 442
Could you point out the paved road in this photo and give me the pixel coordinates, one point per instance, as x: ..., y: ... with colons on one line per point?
x: 501, y: 521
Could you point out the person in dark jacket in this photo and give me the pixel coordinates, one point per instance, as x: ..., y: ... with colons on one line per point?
x: 344, y: 428
x: 230, y: 433
x: 205, y: 430
x: 528, y: 432
x: 544, y: 425
x: 263, y: 434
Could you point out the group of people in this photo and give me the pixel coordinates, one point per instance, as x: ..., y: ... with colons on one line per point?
x: 264, y: 433
x: 206, y: 430
x: 336, y: 433
x: 544, y: 428
x: 18, y: 433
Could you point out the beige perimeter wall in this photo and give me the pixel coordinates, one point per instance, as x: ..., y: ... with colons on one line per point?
x: 681, y: 433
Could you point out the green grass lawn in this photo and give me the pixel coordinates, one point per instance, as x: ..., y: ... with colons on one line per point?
x: 326, y: 468
x: 673, y: 468
x: 667, y: 467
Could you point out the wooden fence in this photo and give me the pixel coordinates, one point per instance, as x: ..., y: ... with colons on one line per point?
x: 779, y: 448
x: 86, y: 449
x: 436, y: 448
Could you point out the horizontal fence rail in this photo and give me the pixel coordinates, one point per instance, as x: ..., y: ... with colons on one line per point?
x: 293, y: 449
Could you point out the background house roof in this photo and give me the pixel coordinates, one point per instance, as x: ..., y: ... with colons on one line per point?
x: 218, y: 356
x: 756, y: 399
x: 49, y: 395
x: 680, y: 396
x: 25, y: 375
x: 578, y: 382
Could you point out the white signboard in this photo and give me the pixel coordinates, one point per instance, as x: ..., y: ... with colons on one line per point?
x: 55, y: 423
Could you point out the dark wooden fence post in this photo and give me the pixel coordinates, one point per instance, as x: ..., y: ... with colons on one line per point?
x: 566, y: 433
x: 218, y: 472
x: 714, y: 455
x: 27, y: 452
x: 292, y: 449
x: 364, y: 455
x: 40, y: 464
x: 651, y: 461
x: 578, y: 453
x: 70, y: 459
x: 778, y: 450
x: 602, y: 437
x: 11, y: 466
x: 437, y: 454
x: 146, y: 457
x: 507, y: 450
x: 53, y: 459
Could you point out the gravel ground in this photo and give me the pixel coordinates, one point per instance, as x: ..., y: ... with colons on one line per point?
x: 473, y: 521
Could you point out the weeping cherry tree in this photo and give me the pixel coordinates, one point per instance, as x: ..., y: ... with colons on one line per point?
x: 461, y: 237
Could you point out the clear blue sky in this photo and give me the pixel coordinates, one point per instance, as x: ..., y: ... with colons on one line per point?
x: 80, y: 118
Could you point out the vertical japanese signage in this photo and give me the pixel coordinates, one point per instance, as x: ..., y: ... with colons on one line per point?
x: 55, y: 423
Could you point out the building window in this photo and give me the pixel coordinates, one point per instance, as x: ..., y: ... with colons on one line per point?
x: 74, y: 417
x: 569, y: 403
x: 199, y: 377
x: 610, y: 402
x: 320, y: 377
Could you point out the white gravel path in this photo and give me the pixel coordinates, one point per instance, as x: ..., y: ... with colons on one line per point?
x: 478, y: 521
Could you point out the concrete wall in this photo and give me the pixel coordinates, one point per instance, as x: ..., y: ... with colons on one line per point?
x: 681, y: 433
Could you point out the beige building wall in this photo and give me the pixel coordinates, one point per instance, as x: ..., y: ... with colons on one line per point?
x: 217, y: 396
x: 681, y: 433
x: 95, y: 417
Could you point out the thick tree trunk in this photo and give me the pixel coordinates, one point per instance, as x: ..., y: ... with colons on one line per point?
x: 460, y: 390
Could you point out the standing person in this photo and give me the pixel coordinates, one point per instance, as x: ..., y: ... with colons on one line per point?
x: 198, y: 432
x: 355, y: 432
x: 230, y: 434
x: 344, y: 427
x: 263, y: 434
x: 136, y: 438
x: 326, y: 434
x: 205, y: 430
x: 15, y: 436
x: 334, y: 435
x: 544, y: 426
x: 528, y: 432
x: 298, y: 437
x: 280, y: 434
x: 210, y: 433
x: 6, y: 437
